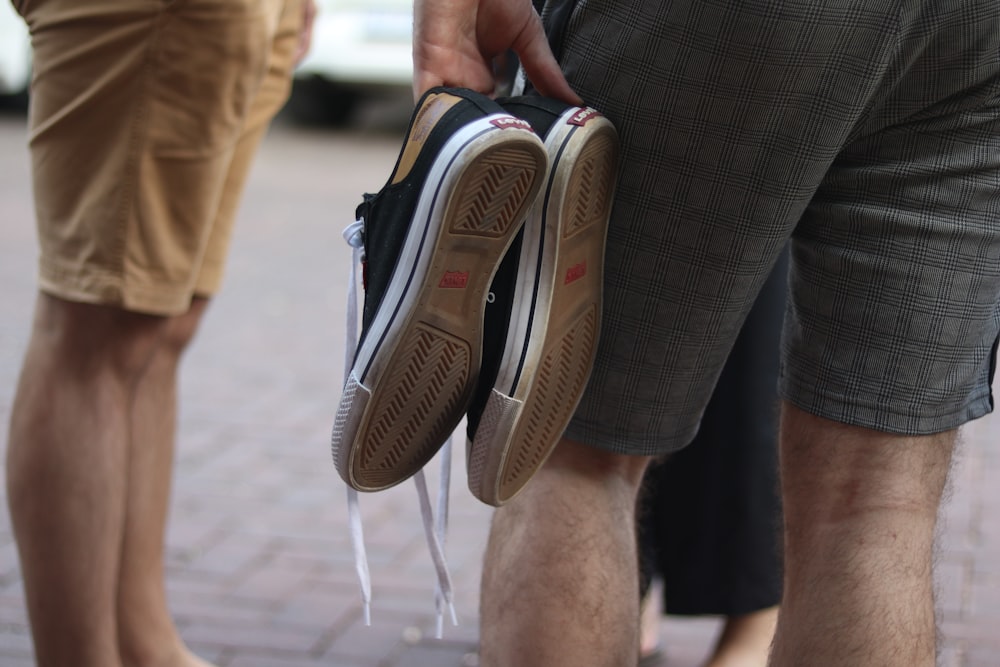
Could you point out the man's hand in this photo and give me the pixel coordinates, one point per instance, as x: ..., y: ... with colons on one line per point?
x: 456, y: 41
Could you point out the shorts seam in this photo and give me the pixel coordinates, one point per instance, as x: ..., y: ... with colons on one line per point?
x: 137, y: 142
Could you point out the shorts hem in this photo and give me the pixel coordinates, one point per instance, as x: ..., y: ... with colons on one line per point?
x: 879, y: 418
x: 209, y: 279
x: 618, y: 442
x: 100, y: 288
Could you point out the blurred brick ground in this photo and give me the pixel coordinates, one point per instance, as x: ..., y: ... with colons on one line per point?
x: 260, y: 569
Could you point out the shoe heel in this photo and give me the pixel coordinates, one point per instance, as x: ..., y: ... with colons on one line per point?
x: 349, y: 415
x: 414, y: 409
x: 563, y: 372
x: 483, y: 454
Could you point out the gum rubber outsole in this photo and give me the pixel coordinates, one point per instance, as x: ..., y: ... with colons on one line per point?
x: 517, y: 433
x: 417, y: 386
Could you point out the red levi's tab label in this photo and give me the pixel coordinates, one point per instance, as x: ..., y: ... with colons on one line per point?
x: 454, y: 279
x: 576, y: 272
x: 582, y: 116
x: 509, y: 121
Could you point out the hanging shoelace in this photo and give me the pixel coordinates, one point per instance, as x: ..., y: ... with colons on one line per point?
x: 434, y: 530
x: 441, y: 600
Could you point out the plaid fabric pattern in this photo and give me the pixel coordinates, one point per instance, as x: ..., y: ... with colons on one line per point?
x: 867, y: 132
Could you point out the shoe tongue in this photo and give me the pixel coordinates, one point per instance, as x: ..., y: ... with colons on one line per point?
x: 496, y: 323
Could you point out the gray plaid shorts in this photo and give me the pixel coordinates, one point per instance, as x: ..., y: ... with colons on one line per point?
x: 865, y: 131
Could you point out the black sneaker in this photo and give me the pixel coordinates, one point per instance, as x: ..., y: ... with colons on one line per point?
x: 543, y: 327
x: 433, y: 237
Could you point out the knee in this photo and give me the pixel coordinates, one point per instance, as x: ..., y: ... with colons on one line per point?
x: 88, y: 339
x: 834, y: 473
x: 180, y: 330
x: 597, y: 465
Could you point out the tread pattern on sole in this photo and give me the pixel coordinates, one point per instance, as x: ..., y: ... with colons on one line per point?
x: 561, y: 375
x: 590, y: 186
x: 424, y: 385
x: 493, y: 195
x: 563, y: 372
x: 414, y: 408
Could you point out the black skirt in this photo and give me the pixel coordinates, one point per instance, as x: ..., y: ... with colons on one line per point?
x: 710, y: 515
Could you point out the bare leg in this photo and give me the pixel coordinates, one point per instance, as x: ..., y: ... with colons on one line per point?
x: 860, y: 512
x: 146, y: 632
x: 745, y: 640
x: 559, y: 578
x: 66, y: 473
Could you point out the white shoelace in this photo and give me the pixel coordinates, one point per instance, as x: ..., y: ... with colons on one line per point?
x: 434, y: 530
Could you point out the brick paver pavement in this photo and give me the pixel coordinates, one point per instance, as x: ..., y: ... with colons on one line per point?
x: 260, y: 572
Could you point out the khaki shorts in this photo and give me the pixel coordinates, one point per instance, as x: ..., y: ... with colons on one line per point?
x: 145, y: 115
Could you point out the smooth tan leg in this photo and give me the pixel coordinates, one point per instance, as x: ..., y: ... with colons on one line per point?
x: 745, y: 640
x: 650, y: 615
x: 89, y: 470
x: 559, y: 578
x: 66, y: 473
x: 147, y: 636
x: 860, y: 513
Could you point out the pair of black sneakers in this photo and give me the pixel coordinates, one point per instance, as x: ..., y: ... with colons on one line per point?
x: 483, y: 271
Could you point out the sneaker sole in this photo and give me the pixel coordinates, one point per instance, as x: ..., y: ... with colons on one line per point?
x: 415, y: 372
x: 555, y: 328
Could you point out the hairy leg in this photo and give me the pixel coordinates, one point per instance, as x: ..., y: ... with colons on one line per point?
x: 559, y: 578
x: 147, y: 636
x: 860, y: 514
x: 66, y: 472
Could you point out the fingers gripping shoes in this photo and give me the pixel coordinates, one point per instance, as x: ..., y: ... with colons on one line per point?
x: 548, y: 302
x: 433, y: 237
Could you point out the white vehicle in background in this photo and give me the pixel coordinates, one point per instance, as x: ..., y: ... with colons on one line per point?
x: 359, y: 48
x: 15, y: 53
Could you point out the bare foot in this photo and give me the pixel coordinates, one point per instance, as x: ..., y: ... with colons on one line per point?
x: 745, y: 640
x: 649, y: 624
